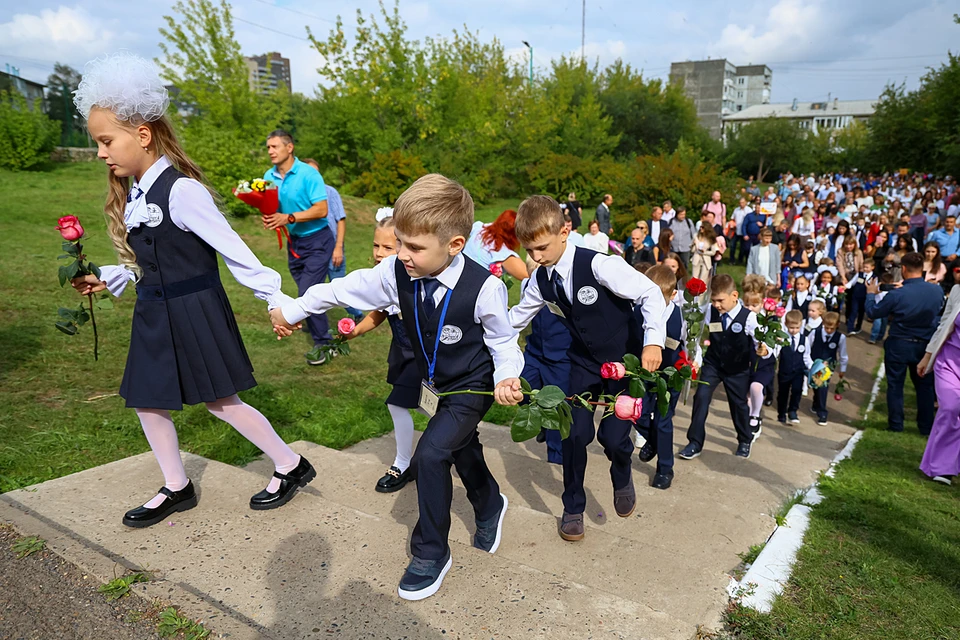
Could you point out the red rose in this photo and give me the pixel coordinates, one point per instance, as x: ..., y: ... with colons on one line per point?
x: 837, y: 397
x: 627, y: 408
x: 696, y: 286
x: 346, y: 326
x: 612, y: 370
x: 497, y: 269
x: 70, y: 228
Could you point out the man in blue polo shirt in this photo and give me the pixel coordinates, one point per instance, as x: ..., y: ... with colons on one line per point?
x: 913, y: 311
x: 303, y: 210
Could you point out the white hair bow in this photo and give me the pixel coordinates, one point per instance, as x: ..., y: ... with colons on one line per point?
x: 383, y: 213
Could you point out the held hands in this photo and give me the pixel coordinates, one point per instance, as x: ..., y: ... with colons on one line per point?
x: 280, y: 325
x: 88, y: 284
x: 651, y: 357
x: 507, y: 392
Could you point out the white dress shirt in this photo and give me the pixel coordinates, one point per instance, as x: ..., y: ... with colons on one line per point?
x: 801, y: 298
x: 192, y: 209
x: 376, y: 288
x: 612, y: 272
x: 656, y: 228
x: 836, y: 336
x: 750, y: 327
x: 763, y: 259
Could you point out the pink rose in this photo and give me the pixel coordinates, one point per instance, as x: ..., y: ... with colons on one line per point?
x: 346, y: 326
x: 706, y: 343
x: 497, y: 269
x: 780, y: 311
x: 841, y: 289
x: 769, y: 304
x: 627, y: 408
x: 70, y: 228
x: 612, y: 370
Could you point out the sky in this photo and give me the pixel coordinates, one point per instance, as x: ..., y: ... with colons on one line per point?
x: 816, y: 48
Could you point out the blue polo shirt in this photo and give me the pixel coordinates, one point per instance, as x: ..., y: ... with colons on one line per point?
x: 949, y: 242
x: 301, y: 188
x: 913, y: 309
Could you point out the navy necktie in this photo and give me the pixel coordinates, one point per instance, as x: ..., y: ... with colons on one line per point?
x: 135, y: 193
x: 558, y: 287
x: 725, y: 321
x: 430, y: 286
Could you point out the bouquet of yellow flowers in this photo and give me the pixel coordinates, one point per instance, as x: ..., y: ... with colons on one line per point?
x: 820, y: 374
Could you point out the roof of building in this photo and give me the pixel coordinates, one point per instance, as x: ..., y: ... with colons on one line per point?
x: 22, y: 79
x: 806, y: 110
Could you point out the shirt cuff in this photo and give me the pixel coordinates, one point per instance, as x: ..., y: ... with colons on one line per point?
x: 504, y: 372
x: 293, y: 312
x: 116, y: 278
x: 278, y: 299
x: 653, y: 337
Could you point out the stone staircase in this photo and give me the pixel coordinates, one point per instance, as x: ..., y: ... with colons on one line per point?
x: 327, y: 564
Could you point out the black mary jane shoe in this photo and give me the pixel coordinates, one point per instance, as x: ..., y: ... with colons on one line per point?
x: 175, y: 501
x: 289, y: 483
x: 393, y: 480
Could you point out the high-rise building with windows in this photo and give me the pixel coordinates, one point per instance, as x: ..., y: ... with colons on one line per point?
x: 720, y: 88
x: 268, y: 72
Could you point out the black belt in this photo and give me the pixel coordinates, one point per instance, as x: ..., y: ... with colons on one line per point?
x: 916, y: 340
x: 176, y: 289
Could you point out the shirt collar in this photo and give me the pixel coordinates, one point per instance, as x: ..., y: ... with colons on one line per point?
x: 565, y: 264
x: 450, y: 276
x: 150, y: 175
x: 293, y: 169
x: 733, y: 313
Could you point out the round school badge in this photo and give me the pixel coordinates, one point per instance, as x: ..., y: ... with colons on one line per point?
x: 450, y: 334
x: 154, y: 215
x: 736, y: 327
x: 801, y: 348
x: 832, y: 345
x: 587, y: 295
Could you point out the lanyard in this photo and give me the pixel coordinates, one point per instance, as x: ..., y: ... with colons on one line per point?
x: 431, y: 364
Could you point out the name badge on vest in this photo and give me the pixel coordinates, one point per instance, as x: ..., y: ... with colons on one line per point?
x: 429, y: 400
x: 554, y: 309
x: 716, y: 327
x: 670, y: 344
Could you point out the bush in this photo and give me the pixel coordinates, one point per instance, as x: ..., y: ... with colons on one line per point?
x: 389, y: 176
x: 27, y: 135
x: 589, y: 178
x: 683, y: 177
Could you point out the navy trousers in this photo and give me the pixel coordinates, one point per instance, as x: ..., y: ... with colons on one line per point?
x: 820, y: 402
x: 451, y: 439
x: 309, y: 269
x: 736, y: 386
x: 789, y: 391
x: 657, y: 428
x: 540, y: 374
x: 614, y: 435
x: 856, y: 306
x: 899, y: 357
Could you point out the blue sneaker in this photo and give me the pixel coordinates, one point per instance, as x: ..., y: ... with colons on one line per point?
x: 487, y: 537
x: 423, y: 578
x: 690, y: 451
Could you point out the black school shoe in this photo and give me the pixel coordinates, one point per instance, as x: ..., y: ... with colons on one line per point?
x: 487, y: 537
x: 756, y: 427
x: 289, y: 483
x: 662, y: 480
x: 423, y: 578
x: 743, y: 450
x: 647, y: 452
x: 690, y: 452
x: 175, y: 501
x: 393, y: 480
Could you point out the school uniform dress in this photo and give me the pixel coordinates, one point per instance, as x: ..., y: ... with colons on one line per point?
x: 790, y: 375
x: 829, y: 295
x: 763, y: 370
x: 829, y: 348
x: 402, y: 371
x: 660, y: 430
x: 728, y: 361
x: 800, y: 300
x: 462, y: 339
x: 594, y: 296
x: 546, y: 361
x: 185, y: 347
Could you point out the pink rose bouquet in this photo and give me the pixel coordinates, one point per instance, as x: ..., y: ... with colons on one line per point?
x: 613, y: 370
x: 628, y: 408
x: 339, y: 345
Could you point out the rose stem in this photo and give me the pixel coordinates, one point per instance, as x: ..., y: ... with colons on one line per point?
x: 93, y: 321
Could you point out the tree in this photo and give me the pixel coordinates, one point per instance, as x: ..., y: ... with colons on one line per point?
x: 60, y: 87
x: 27, y: 134
x: 770, y: 144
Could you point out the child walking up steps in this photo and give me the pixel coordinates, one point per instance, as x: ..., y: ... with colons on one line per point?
x: 184, y: 346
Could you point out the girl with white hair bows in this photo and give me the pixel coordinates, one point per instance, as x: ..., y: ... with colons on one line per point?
x: 185, y: 347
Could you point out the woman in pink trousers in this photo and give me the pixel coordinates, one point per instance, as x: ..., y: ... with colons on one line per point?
x: 941, y: 459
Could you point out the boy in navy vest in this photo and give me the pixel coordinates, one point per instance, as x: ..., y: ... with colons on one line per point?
x: 546, y: 361
x: 792, y: 370
x: 732, y: 341
x: 829, y: 345
x: 594, y: 295
x: 455, y: 313
x: 659, y: 434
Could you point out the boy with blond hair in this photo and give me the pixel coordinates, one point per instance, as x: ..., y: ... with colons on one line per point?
x: 594, y: 295
x: 829, y: 345
x: 455, y: 313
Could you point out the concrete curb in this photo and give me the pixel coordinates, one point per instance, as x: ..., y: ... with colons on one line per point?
x: 767, y: 576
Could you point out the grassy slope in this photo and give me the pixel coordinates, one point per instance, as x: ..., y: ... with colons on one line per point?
x: 59, y: 415
x: 882, y: 554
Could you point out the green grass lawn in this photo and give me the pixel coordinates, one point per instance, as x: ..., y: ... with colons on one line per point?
x: 60, y: 411
x: 881, y: 559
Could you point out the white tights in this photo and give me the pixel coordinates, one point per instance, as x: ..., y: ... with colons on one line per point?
x: 252, y: 425
x: 403, y: 432
x: 755, y: 400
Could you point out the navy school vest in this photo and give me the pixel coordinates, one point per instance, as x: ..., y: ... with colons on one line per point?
x: 822, y: 349
x: 601, y: 324
x: 463, y: 360
x: 674, y: 331
x: 791, y: 360
x: 730, y: 350
x: 802, y: 308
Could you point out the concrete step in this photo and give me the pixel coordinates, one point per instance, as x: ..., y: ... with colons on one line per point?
x: 317, y: 568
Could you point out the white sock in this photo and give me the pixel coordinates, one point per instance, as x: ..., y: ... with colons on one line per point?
x: 162, y: 436
x: 253, y: 426
x: 403, y: 432
x: 756, y: 399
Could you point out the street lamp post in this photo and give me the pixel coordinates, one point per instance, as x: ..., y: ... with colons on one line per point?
x: 527, y: 44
